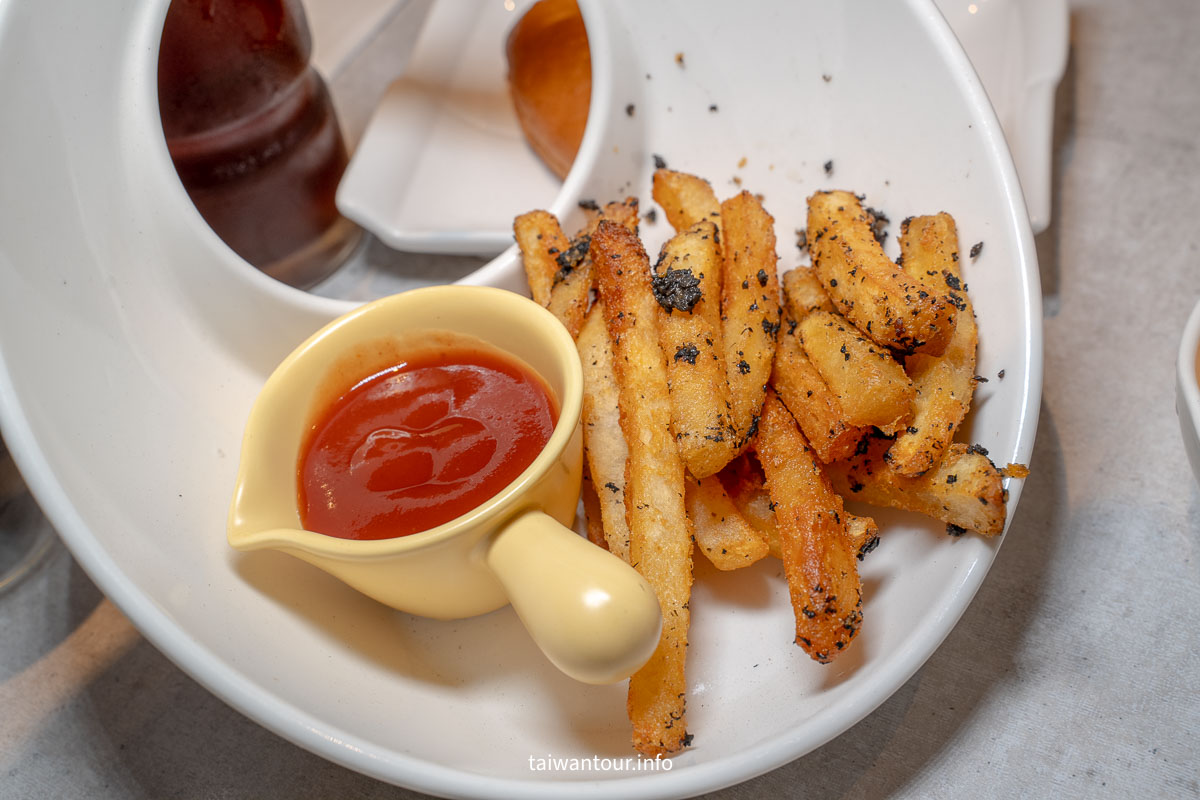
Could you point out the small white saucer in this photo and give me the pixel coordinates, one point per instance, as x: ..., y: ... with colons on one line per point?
x: 442, y: 166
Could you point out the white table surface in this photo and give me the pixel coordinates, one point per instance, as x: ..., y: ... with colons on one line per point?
x: 1074, y: 673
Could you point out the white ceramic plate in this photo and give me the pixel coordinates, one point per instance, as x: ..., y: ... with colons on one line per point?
x: 132, y: 344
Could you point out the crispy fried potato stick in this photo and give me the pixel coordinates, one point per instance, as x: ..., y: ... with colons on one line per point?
x: 661, y: 533
x: 685, y: 199
x: 964, y: 489
x: 871, y: 386
x: 888, y: 305
x: 813, y: 404
x: 818, y: 559
x: 744, y: 484
x: 750, y: 310
x: 571, y: 283
x: 687, y: 284
x: 944, y: 384
x: 803, y: 293
x: 541, y: 240
x: 603, y: 443
x: 722, y: 533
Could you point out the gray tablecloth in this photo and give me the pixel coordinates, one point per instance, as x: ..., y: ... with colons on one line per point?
x: 1074, y: 672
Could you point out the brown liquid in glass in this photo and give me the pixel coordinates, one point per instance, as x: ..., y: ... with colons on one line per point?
x: 251, y: 129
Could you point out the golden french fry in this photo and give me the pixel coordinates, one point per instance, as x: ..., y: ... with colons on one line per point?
x: 871, y: 387
x: 813, y: 404
x: 744, y: 484
x: 964, y: 489
x: 661, y: 533
x: 541, y: 241
x: 750, y: 310
x: 722, y: 533
x: 944, y: 384
x: 818, y: 559
x: 894, y: 309
x: 803, y: 293
x: 603, y: 443
x: 687, y: 284
x: 571, y: 287
x: 863, y: 534
x: 685, y: 199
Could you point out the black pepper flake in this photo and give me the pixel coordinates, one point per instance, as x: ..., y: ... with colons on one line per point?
x: 713, y: 108
x: 770, y: 328
x: 572, y: 257
x: 676, y: 289
x: 911, y: 429
x: 659, y: 162
x: 833, y: 282
x: 954, y: 530
x: 687, y: 740
x: 589, y: 205
x: 867, y: 547
x: 688, y: 353
x: 977, y: 448
x: 952, y: 280
x: 802, y: 239
x: 762, y: 277
x: 629, y: 110
x: 826, y: 77
x: 1000, y: 375
x: 879, y: 222
x: 743, y: 367
x: 612, y: 487
x: 845, y: 352
x: 651, y: 216
x: 951, y: 479
x: 980, y: 379
x: 976, y: 249
x: 829, y: 167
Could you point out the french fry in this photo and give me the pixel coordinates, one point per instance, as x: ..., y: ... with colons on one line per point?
x: 725, y: 537
x: 964, y: 489
x: 870, y: 386
x: 661, y: 533
x: 541, y: 240
x: 803, y: 293
x: 863, y: 534
x: 944, y: 384
x: 750, y: 310
x: 685, y: 199
x: 687, y: 284
x: 572, y: 284
x: 744, y: 484
x: 894, y: 309
x: 818, y: 559
x: 814, y: 405
x: 603, y: 443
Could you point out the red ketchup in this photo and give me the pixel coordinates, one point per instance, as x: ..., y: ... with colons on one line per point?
x: 422, y: 443
x: 252, y: 133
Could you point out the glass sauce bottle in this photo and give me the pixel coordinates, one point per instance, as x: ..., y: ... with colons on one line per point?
x: 251, y: 129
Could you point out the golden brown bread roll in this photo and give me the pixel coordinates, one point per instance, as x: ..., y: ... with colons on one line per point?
x: 550, y: 76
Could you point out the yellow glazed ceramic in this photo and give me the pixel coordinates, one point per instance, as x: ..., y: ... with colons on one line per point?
x: 591, y: 614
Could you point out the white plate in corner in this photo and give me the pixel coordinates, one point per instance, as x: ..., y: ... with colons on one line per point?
x: 443, y: 166
x: 1019, y: 49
